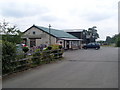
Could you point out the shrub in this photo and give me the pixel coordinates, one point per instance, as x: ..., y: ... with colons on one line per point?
x: 49, y: 47
x: 46, y: 56
x: 8, y: 55
x: 56, y: 46
x: 118, y: 43
x: 12, y: 38
x: 60, y: 46
x: 36, y: 57
x: 25, y: 49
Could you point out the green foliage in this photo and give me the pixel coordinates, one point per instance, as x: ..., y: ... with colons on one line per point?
x: 8, y: 48
x: 46, y: 56
x: 115, y: 39
x: 109, y: 40
x: 118, y: 41
x: 25, y: 49
x: 0, y: 41
x: 12, y: 38
x: 8, y: 55
x: 7, y: 29
x: 14, y: 63
x: 49, y: 47
x: 11, y: 33
x: 56, y: 47
x: 36, y: 57
x: 90, y: 35
x: 0, y: 56
x: 60, y: 46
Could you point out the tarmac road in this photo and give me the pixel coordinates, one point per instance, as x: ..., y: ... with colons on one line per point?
x: 80, y: 69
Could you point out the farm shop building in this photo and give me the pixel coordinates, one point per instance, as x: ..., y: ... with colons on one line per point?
x: 36, y: 35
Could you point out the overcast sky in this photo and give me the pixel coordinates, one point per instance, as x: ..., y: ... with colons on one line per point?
x: 62, y: 14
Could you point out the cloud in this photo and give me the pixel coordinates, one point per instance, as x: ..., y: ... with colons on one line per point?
x: 62, y: 14
x: 49, y: 18
x: 98, y: 16
x: 19, y: 10
x: 94, y: 13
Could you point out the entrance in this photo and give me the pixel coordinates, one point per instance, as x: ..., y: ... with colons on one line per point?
x: 67, y: 45
x: 32, y: 42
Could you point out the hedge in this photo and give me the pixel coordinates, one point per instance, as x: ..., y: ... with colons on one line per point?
x: 36, y: 58
x: 8, y: 55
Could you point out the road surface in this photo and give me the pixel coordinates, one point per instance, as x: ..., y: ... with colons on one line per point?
x: 79, y: 69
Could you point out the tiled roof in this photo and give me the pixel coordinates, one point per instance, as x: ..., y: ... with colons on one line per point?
x: 56, y: 33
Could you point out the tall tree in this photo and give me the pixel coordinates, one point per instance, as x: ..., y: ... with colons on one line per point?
x: 10, y: 33
x: 90, y: 35
x: 93, y: 34
x: 5, y: 28
x: 108, y: 39
x: 116, y: 39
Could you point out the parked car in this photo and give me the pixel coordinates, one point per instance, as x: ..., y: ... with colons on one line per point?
x: 91, y: 45
x: 19, y: 47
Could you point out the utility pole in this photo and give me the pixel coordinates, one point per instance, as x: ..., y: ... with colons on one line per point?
x: 49, y: 35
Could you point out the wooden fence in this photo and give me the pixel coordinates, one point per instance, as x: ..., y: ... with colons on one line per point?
x: 30, y: 60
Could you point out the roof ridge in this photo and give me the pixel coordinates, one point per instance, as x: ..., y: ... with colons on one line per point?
x: 48, y: 28
x: 59, y: 33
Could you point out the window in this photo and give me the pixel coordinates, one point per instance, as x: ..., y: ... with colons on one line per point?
x: 33, y: 32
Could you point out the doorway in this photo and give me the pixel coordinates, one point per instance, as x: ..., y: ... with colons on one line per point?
x: 67, y: 45
x: 32, y: 42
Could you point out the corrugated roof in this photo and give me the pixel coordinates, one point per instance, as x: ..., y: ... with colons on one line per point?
x: 57, y: 33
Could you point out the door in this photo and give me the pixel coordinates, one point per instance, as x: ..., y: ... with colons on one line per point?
x: 67, y: 45
x: 32, y: 42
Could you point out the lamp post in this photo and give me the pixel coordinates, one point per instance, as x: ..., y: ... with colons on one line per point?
x: 49, y: 35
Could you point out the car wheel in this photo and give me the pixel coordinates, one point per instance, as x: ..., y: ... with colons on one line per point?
x: 96, y: 48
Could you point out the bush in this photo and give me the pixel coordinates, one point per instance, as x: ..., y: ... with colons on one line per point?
x: 118, y: 43
x: 25, y: 49
x: 12, y: 38
x: 56, y: 47
x: 8, y: 55
x: 49, y: 47
x: 36, y: 57
x: 60, y: 46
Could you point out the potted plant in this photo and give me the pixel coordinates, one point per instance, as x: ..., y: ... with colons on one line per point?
x: 25, y: 49
x: 60, y: 46
x: 49, y: 47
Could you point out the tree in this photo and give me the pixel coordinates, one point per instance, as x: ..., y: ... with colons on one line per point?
x: 10, y: 33
x: 93, y: 34
x: 108, y: 39
x: 118, y: 43
x: 90, y: 35
x: 84, y: 33
x: 114, y: 40
x: 117, y: 40
x: 3, y: 26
